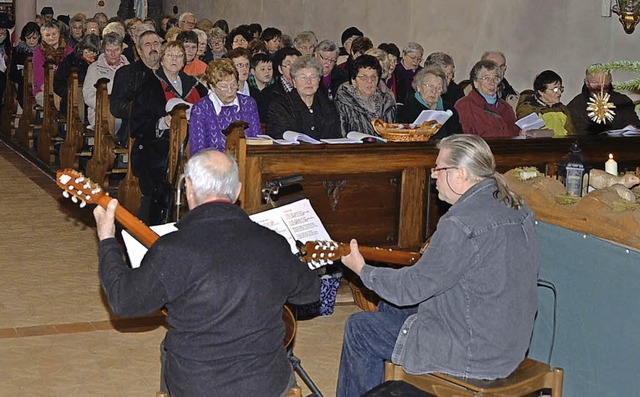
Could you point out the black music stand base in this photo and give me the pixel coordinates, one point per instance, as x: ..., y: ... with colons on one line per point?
x: 295, y: 363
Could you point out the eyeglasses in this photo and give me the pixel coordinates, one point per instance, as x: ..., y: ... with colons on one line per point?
x: 242, y: 65
x: 414, y: 58
x: 556, y: 90
x: 438, y: 169
x: 240, y: 40
x: 175, y: 56
x: 490, y: 79
x: 305, y: 48
x: 371, y: 78
x: 308, y: 78
x: 433, y: 87
x: 328, y: 60
x: 227, y: 87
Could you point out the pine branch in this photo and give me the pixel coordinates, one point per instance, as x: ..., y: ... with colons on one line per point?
x: 633, y: 66
x: 631, y: 85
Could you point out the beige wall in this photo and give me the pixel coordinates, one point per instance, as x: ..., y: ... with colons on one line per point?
x: 72, y: 7
x: 563, y: 35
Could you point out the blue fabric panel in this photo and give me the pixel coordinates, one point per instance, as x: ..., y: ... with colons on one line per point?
x: 598, y: 321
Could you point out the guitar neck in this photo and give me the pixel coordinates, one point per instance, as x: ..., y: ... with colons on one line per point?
x: 388, y: 255
x: 135, y: 226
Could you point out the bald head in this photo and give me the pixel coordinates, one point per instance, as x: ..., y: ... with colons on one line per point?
x: 211, y: 175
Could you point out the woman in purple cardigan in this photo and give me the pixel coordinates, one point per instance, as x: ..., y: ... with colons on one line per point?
x: 224, y: 105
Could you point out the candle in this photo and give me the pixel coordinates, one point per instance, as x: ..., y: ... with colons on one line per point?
x: 611, y: 167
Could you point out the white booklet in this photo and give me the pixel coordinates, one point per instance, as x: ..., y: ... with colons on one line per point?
x: 531, y: 122
x: 629, y: 130
x: 294, y: 221
x: 429, y: 115
x: 355, y: 137
x: 136, y: 250
x: 292, y: 138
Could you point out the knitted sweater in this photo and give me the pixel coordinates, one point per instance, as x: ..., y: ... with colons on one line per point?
x: 205, y: 127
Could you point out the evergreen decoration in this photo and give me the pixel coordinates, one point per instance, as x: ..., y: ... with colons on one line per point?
x: 628, y: 66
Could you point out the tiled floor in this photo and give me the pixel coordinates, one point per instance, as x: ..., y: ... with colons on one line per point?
x: 57, y: 336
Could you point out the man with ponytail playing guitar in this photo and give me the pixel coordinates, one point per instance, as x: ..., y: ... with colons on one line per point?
x: 223, y: 280
x: 467, y: 307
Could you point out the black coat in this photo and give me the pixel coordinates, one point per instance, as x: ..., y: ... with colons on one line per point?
x: 224, y: 280
x: 338, y: 76
x: 289, y: 112
x: 412, y: 109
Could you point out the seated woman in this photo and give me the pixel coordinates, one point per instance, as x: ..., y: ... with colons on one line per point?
x: 361, y: 100
x: 84, y: 54
x: 545, y: 101
x: 241, y: 58
x: 224, y: 105
x: 445, y: 61
x: 304, y: 109
x: 175, y: 82
x: 430, y: 83
x: 215, y: 44
x: 29, y: 40
x: 395, y: 80
x: 482, y: 112
x: 108, y: 62
x: 53, y: 48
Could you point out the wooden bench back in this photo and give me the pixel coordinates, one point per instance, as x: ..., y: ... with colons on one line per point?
x: 75, y: 125
x: 103, y: 157
x: 24, y: 133
x: 8, y: 113
x: 49, y: 128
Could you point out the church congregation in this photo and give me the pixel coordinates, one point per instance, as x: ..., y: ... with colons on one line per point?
x: 119, y: 97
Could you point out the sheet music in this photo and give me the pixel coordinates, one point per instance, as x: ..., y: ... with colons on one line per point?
x: 294, y: 221
x: 135, y: 250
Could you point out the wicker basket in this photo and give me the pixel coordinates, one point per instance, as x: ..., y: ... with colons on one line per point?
x: 402, y: 133
x: 364, y: 297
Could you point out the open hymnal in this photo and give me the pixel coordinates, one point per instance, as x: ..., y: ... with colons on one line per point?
x: 629, y: 130
x: 429, y: 115
x: 531, y: 122
x: 292, y: 138
x: 354, y: 137
x: 296, y: 221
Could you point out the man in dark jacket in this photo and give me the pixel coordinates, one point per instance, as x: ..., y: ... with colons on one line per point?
x: 596, y: 83
x: 504, y: 88
x: 223, y: 280
x: 138, y: 99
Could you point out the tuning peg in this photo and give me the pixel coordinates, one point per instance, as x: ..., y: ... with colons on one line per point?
x: 96, y: 190
x: 74, y: 199
x: 65, y: 194
x: 79, y: 179
x: 83, y: 204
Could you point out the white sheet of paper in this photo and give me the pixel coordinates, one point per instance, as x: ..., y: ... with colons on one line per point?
x: 136, y: 250
x: 531, y: 122
x: 294, y: 221
x: 437, y: 115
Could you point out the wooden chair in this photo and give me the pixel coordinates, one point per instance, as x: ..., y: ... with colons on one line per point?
x: 26, y: 124
x: 69, y: 151
x: 529, y: 377
x: 178, y: 152
x: 49, y: 131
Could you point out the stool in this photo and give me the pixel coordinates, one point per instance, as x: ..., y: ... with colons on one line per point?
x: 530, y: 376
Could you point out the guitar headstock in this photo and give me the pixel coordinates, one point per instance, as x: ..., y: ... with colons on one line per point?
x: 321, y: 253
x: 78, y: 187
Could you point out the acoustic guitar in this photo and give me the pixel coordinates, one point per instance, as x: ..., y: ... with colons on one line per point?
x: 82, y: 190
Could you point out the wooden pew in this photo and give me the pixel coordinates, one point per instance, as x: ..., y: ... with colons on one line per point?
x: 26, y: 124
x: 178, y: 156
x: 104, y: 151
x: 69, y: 151
x: 49, y: 131
x: 382, y: 193
x: 10, y: 108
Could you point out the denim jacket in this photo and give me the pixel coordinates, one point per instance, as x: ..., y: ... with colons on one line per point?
x: 475, y: 287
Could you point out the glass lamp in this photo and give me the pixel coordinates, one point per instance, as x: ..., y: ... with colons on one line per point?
x: 573, y: 171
